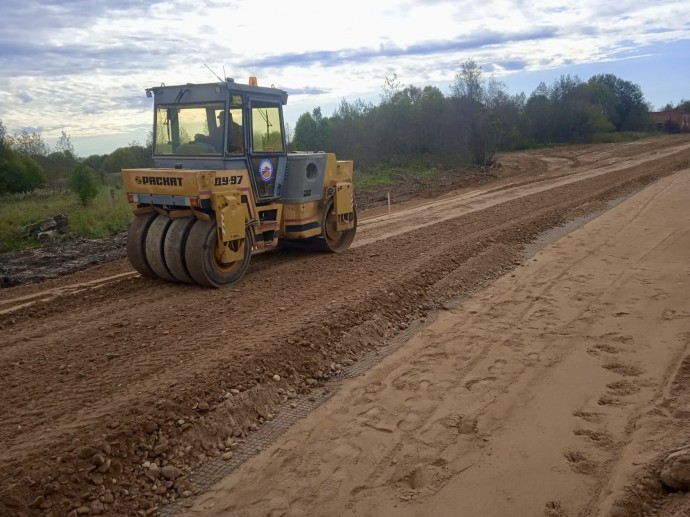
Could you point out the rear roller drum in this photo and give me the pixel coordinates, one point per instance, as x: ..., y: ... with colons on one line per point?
x: 154, y: 247
x: 136, y: 243
x: 174, y: 248
x: 203, y: 257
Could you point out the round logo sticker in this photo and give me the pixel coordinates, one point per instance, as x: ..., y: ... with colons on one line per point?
x: 266, y: 170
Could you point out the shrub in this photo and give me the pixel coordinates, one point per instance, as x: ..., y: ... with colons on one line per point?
x: 83, y: 183
x: 19, y: 173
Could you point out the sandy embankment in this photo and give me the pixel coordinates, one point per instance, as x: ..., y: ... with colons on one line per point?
x: 529, y: 398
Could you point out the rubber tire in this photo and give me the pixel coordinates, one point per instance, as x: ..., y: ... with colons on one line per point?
x: 174, y: 248
x: 136, y: 243
x: 201, y: 263
x: 347, y: 235
x: 154, y: 247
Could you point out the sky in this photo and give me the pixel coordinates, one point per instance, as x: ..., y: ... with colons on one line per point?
x: 81, y: 66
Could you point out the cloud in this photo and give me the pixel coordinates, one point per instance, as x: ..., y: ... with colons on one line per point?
x: 306, y: 90
x: 24, y: 97
x: 362, y: 55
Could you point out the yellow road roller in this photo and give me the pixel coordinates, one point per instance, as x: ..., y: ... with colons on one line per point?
x: 225, y: 187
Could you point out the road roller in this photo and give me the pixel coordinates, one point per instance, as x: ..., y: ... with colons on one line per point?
x: 224, y: 187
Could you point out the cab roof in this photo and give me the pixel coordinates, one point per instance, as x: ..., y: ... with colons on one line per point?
x: 210, y: 92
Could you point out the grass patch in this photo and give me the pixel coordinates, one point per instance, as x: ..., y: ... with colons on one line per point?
x: 107, y: 214
x: 385, y: 175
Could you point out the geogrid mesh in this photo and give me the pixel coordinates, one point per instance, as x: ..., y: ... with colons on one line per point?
x: 295, y: 410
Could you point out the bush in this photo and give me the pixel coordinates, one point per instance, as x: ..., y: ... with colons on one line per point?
x: 83, y: 183
x: 19, y: 173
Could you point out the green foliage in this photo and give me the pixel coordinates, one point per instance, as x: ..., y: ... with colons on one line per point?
x: 19, y: 173
x: 108, y: 214
x: 383, y: 175
x: 311, y: 131
x: 625, y: 106
x: 131, y: 157
x: 83, y: 183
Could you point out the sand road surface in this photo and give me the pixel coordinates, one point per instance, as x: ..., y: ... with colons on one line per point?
x: 550, y: 385
x: 538, y: 395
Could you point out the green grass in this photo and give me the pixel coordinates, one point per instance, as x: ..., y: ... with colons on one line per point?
x: 385, y: 175
x: 105, y: 215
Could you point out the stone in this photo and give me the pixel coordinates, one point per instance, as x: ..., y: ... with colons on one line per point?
x: 83, y: 510
x: 171, y: 472
x: 182, y: 484
x: 96, y: 508
x: 160, y: 449
x: 105, y: 466
x: 276, y: 378
x: 97, y: 460
x: 150, y: 427
x: 227, y: 455
x: 153, y: 472
x: 108, y: 497
x: 675, y: 471
x: 96, y: 479
x: 203, y: 407
x: 86, y: 452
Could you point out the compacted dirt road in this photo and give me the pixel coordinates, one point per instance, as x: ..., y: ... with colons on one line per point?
x: 541, y: 394
x: 554, y: 390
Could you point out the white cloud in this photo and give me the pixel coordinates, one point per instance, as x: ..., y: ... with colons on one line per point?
x: 81, y: 66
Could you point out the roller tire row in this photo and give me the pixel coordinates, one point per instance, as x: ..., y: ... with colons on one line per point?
x: 181, y: 250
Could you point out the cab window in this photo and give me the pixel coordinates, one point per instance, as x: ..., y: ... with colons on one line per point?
x: 267, y: 128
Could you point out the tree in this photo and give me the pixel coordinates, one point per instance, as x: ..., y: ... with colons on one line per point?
x: 3, y: 135
x: 64, y: 146
x: 683, y: 106
x: 130, y: 157
x: 19, y: 173
x: 630, y: 111
x: 311, y: 131
x: 469, y: 82
x: 391, y: 87
x: 30, y: 144
x: 83, y: 184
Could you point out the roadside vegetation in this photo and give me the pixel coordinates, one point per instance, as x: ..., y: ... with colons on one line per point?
x: 412, y: 131
x: 476, y: 119
x: 106, y: 214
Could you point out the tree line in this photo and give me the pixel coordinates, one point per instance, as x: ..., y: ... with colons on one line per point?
x: 477, y: 118
x: 28, y: 163
x: 410, y: 125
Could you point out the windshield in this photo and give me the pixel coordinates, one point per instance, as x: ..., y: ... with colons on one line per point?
x: 198, y: 129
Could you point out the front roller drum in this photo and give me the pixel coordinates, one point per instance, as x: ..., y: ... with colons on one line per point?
x: 203, y: 257
x: 174, y: 248
x: 136, y: 243
x: 155, y: 238
x: 335, y: 240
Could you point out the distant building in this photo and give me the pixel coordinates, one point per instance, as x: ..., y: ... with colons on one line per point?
x: 671, y: 121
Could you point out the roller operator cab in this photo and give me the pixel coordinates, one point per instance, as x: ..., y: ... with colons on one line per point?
x: 225, y: 187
